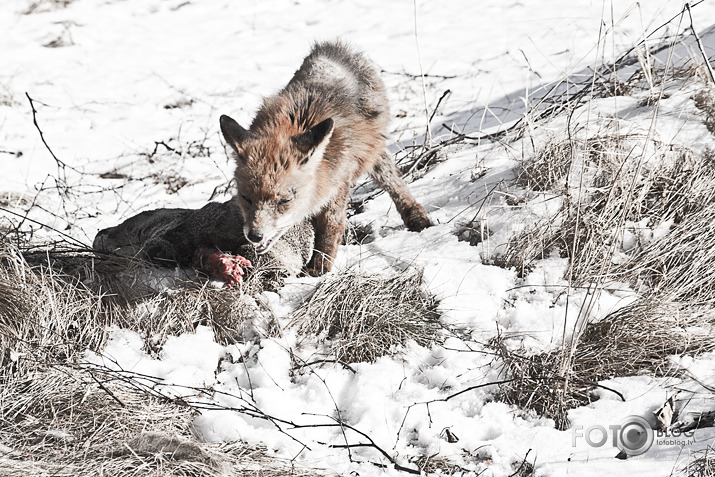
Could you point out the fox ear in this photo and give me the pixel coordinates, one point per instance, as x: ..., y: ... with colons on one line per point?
x: 314, y: 139
x: 233, y: 132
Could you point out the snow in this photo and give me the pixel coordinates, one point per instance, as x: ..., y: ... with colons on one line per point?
x: 137, y: 78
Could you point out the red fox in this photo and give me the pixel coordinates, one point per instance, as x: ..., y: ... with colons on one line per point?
x: 307, y: 146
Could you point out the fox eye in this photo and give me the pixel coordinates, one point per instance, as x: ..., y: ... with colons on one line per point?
x: 284, y: 201
x: 248, y: 201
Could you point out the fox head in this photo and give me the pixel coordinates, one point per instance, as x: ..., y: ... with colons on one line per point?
x: 276, y: 177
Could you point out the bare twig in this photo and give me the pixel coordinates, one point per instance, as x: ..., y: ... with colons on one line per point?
x: 518, y: 471
x: 106, y: 389
x: 410, y: 75
x: 446, y: 93
x: 162, y: 143
x: 324, y: 361
x: 60, y: 164
x: 152, y: 386
x: 339, y: 419
x: 700, y: 44
x: 371, y: 443
x: 472, y: 388
x: 68, y: 237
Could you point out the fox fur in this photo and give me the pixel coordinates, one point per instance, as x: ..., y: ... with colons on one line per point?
x: 306, y: 147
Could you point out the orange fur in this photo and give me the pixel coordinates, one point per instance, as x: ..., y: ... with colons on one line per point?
x: 307, y: 146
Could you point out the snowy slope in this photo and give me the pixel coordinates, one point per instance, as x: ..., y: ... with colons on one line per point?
x: 128, y: 95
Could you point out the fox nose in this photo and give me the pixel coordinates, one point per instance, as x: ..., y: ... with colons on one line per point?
x: 254, y: 236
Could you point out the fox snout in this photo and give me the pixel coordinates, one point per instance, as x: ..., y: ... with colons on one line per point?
x: 257, y: 239
x: 254, y: 237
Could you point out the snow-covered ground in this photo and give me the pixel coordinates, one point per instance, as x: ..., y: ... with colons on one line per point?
x: 128, y: 95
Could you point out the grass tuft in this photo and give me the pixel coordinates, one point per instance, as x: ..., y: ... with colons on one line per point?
x: 42, y: 309
x: 705, y: 101
x: 364, y: 317
x: 702, y: 465
x: 548, y: 168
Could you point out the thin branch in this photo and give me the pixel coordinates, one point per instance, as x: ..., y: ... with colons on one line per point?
x: 439, y: 101
x: 106, y: 390
x: 700, y: 44
x: 339, y: 420
x: 150, y: 387
x: 370, y: 443
x: 472, y: 388
x: 60, y: 164
x: 325, y: 361
x: 24, y: 217
x: 410, y: 75
x: 523, y: 463
x: 663, y: 25
x: 506, y: 381
x: 431, y: 151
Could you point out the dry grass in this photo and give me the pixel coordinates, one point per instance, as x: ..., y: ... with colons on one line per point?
x: 674, y: 271
x: 524, y: 248
x: 61, y: 418
x: 679, y: 267
x: 438, y: 465
x: 635, y: 210
x: 41, y: 6
x: 703, y: 464
x: 633, y: 340
x: 548, y: 168
x: 364, y: 317
x: 97, y: 292
x: 41, y: 309
x: 705, y: 101
x: 626, y: 193
x: 173, y: 312
x: 135, y: 298
x: 59, y: 421
x: 606, y: 189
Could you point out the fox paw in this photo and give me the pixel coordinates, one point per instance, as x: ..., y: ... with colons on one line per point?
x: 417, y: 221
x: 222, y: 266
x: 312, y: 272
x: 317, y: 267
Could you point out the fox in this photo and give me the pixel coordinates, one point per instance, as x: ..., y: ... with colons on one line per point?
x: 306, y: 147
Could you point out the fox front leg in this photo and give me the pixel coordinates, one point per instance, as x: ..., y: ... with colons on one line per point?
x: 329, y: 229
